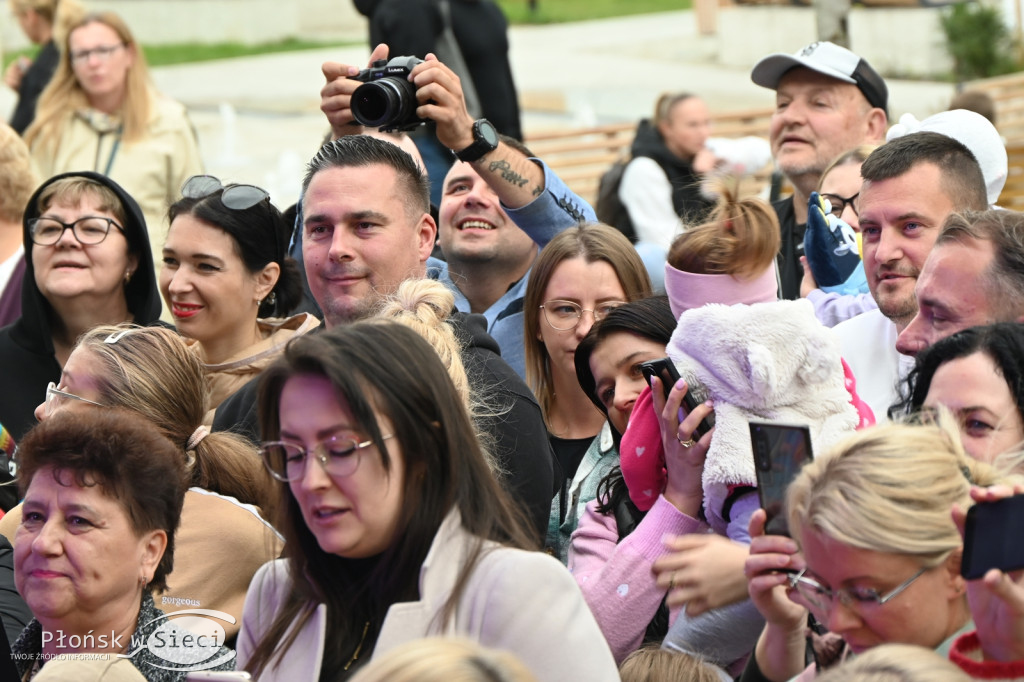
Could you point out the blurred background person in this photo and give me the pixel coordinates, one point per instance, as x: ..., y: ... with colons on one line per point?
x: 229, y: 282
x: 661, y: 186
x: 40, y: 21
x: 87, y: 262
x: 18, y: 180
x: 100, y: 112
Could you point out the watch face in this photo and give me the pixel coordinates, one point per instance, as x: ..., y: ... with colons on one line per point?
x: 488, y: 132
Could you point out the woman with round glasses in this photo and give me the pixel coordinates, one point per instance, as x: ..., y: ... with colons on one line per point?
x: 579, y: 277
x: 101, y: 112
x: 875, y: 554
x: 229, y: 282
x: 395, y: 527
x: 87, y: 263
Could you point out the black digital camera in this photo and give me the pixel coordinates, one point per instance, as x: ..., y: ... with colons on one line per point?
x: 387, y: 100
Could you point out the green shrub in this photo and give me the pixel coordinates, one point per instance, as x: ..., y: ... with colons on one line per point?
x: 979, y: 41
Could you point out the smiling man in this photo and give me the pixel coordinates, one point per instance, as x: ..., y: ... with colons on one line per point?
x: 911, y: 185
x: 489, y: 256
x: 827, y: 101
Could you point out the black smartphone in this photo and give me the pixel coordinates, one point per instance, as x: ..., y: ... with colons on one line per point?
x: 779, y: 452
x: 992, y: 537
x: 666, y: 371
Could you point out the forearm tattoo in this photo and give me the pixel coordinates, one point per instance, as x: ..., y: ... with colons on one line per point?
x: 505, y: 170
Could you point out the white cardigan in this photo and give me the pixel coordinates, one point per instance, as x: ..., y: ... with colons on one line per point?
x: 523, y: 602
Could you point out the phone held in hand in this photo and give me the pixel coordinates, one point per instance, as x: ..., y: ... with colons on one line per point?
x: 992, y: 537
x: 780, y: 450
x: 666, y: 371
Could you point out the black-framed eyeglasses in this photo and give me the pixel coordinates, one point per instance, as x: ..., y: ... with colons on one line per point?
x: 566, y: 315
x: 338, y: 456
x: 839, y: 203
x: 822, y: 598
x: 235, y: 197
x: 104, y: 53
x: 56, y: 397
x: 88, y: 230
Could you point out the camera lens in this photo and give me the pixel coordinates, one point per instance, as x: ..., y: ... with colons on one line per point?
x: 385, y: 102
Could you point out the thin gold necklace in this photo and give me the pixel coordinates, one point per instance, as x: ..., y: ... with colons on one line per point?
x: 359, y: 647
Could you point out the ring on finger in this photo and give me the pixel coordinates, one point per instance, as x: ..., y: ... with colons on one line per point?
x: 688, y: 443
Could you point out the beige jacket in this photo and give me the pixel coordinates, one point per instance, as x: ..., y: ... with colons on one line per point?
x: 523, y: 602
x: 224, y: 378
x: 152, y: 169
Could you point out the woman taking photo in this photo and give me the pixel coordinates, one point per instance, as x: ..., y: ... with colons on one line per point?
x: 226, y: 277
x: 395, y: 528
x: 579, y: 277
x: 103, y: 493
x: 875, y: 560
x: 87, y: 262
x: 101, y: 112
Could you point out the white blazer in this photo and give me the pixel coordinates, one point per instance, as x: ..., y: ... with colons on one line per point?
x: 523, y: 602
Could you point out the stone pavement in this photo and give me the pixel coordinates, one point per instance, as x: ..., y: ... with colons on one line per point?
x: 258, y: 118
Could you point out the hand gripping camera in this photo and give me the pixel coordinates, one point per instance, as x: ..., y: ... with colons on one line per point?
x: 387, y: 100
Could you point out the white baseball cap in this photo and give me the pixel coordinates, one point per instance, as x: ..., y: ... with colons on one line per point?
x: 830, y: 60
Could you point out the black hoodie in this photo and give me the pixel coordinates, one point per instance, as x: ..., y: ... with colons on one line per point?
x: 26, y: 346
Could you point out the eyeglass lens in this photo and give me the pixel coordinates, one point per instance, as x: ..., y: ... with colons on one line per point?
x: 88, y: 230
x: 565, y: 315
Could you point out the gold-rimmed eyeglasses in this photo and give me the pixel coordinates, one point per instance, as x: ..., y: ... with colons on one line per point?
x: 566, y: 315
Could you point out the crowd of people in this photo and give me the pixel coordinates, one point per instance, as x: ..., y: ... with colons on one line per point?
x: 505, y: 482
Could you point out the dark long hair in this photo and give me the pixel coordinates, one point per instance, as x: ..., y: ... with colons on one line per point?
x: 1003, y: 342
x: 385, y: 366
x: 650, y: 318
x: 261, y: 237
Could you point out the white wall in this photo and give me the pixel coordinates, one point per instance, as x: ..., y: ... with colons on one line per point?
x: 215, y: 21
x: 896, y: 41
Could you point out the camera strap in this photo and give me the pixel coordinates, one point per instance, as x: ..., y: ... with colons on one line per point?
x: 450, y: 54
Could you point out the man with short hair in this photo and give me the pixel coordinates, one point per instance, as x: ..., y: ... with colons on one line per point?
x: 827, y: 101
x: 488, y: 256
x: 911, y: 185
x: 491, y: 233
x: 973, y: 276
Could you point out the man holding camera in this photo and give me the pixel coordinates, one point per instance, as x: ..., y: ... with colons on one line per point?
x: 498, y: 208
x: 367, y: 227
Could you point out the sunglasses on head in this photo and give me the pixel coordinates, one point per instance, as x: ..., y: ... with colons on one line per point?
x: 235, y: 197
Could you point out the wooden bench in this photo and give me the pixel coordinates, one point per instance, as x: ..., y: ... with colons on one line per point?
x: 1008, y: 94
x: 580, y: 156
